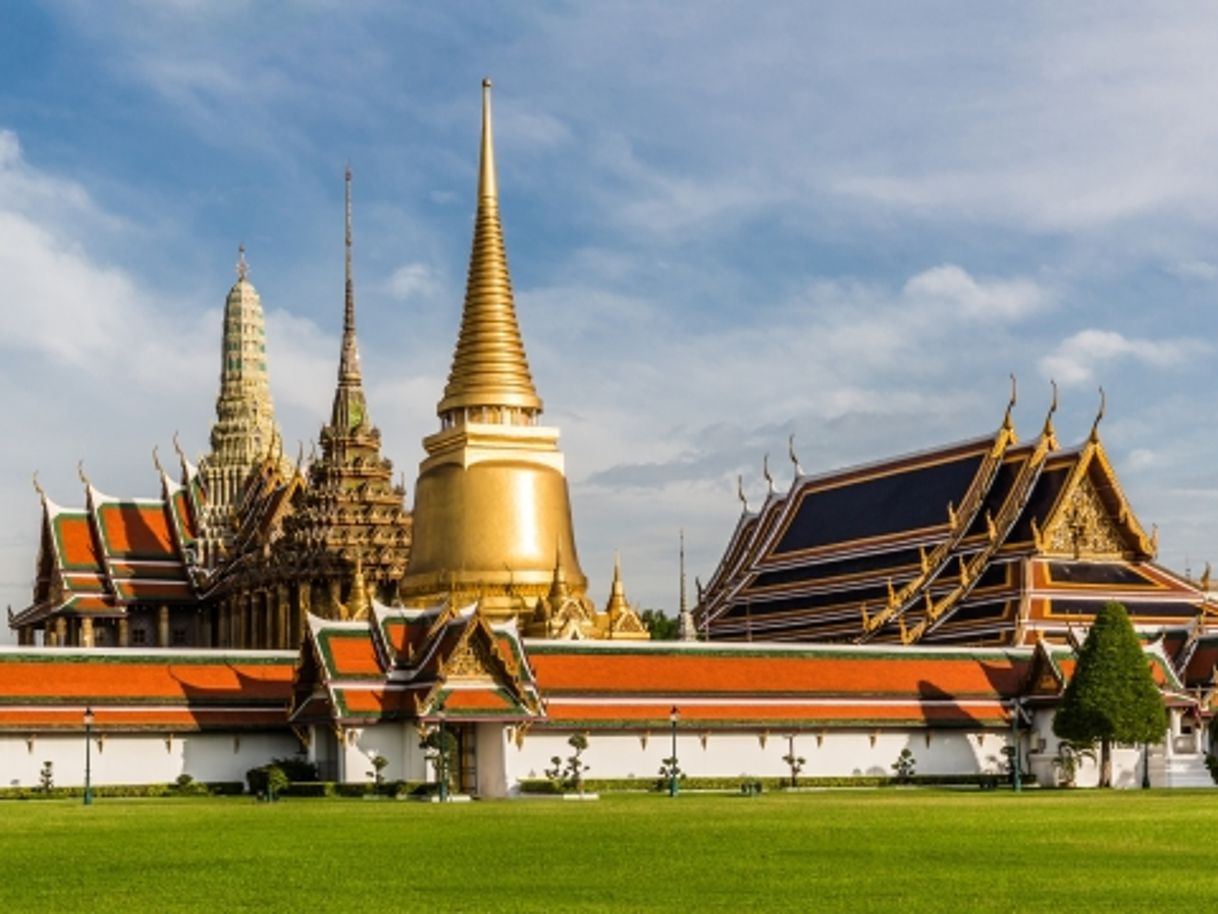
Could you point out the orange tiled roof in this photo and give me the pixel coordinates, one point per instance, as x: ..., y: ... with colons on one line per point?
x: 136, y: 529
x: 705, y: 670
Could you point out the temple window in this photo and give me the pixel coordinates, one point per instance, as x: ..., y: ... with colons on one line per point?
x: 139, y: 636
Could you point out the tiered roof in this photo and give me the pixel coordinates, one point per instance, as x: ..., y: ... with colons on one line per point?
x: 179, y: 691
x: 987, y: 541
x: 404, y: 663
x: 116, y: 553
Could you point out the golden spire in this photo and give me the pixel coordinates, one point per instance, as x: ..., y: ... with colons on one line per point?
x: 617, y: 593
x: 489, y: 367
x: 348, y: 369
x: 350, y: 408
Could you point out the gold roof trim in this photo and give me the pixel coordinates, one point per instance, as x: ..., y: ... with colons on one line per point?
x: 489, y: 366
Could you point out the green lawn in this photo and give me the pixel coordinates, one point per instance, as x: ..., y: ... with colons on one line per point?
x: 912, y: 850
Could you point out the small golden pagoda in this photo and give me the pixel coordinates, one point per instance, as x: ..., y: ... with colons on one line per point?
x: 492, y: 514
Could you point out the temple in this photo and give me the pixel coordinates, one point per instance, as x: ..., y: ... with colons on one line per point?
x: 492, y: 514
x: 986, y: 542
x: 925, y: 606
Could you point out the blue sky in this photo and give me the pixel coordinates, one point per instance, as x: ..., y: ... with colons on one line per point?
x: 726, y: 223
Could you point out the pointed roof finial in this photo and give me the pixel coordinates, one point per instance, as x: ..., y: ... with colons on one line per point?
x: 80, y: 471
x: 489, y: 367
x: 487, y: 184
x: 740, y: 494
x: 243, y: 268
x: 681, y: 604
x: 156, y: 460
x: 799, y: 471
x: 1095, y: 426
x: 38, y: 487
x: 1006, y: 419
x: 1048, y: 431
x: 765, y: 472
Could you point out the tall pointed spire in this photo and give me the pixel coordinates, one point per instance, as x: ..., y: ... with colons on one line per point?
x: 490, y: 370
x: 348, y: 368
x: 350, y: 408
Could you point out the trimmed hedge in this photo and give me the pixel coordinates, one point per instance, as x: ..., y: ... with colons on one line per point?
x: 546, y: 787
x: 336, y: 789
x: 198, y: 788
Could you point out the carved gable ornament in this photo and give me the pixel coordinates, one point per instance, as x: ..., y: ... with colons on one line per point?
x: 1083, y: 526
x: 471, y: 660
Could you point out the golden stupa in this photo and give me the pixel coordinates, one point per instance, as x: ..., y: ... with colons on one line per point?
x: 492, y: 516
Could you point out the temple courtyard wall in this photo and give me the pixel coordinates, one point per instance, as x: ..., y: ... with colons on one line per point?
x: 138, y: 758
x: 503, y: 760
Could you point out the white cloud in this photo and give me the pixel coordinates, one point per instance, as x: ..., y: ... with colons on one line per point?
x: 413, y: 281
x: 1078, y: 357
x: 1001, y: 299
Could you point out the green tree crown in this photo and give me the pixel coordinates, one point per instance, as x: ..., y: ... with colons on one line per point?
x: 1112, y: 696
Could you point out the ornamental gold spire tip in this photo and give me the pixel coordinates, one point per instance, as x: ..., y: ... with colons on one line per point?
x: 489, y: 368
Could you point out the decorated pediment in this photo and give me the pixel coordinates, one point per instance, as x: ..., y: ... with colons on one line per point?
x: 1092, y: 518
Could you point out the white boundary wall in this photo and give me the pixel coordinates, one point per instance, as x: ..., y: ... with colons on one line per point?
x: 138, y: 758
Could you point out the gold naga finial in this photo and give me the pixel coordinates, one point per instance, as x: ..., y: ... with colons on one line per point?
x: 1205, y: 577
x: 1007, y: 421
x: 1095, y: 426
x: 38, y: 487
x: 80, y: 471
x: 740, y: 493
x: 177, y: 446
x: 156, y: 460
x: 799, y: 471
x: 243, y: 268
x: 765, y: 472
x: 1047, y: 431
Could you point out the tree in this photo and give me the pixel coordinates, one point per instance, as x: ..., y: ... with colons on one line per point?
x: 660, y: 626
x: 1112, y: 696
x: 569, y: 773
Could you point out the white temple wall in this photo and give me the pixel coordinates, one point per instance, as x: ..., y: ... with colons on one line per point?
x: 837, y: 753
x: 397, y: 742
x: 138, y: 758
x: 1041, y: 747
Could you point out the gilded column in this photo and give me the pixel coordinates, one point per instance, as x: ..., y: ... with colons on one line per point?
x: 124, y: 632
x: 162, y: 627
x: 282, y: 605
x: 61, y: 632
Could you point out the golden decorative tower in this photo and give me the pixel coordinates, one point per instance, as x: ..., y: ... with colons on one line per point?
x: 348, y: 535
x: 244, y: 432
x: 492, y: 514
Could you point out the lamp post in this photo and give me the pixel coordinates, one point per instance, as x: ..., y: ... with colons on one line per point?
x: 88, y: 756
x: 442, y: 759
x: 1015, y: 761
x: 673, y: 716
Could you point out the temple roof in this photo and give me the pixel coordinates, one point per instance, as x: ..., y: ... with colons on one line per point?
x: 127, y: 689
x: 934, y: 545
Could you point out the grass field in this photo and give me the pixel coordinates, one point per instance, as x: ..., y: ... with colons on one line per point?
x: 908, y: 850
